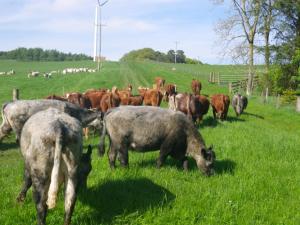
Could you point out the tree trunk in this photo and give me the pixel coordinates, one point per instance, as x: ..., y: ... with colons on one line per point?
x: 251, y: 69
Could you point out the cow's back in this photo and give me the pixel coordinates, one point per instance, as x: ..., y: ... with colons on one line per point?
x: 145, y: 127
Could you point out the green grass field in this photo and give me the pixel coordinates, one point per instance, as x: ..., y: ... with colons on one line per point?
x: 257, y: 177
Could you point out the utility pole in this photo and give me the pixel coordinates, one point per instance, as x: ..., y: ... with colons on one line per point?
x: 176, y: 43
x: 98, y: 26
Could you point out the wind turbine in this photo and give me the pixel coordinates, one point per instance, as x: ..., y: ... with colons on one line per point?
x: 98, y: 34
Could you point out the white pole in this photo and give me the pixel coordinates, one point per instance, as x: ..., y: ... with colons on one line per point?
x: 100, y: 40
x: 96, y: 34
x: 176, y: 42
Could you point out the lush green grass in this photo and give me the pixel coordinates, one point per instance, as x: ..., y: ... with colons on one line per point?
x: 257, y: 169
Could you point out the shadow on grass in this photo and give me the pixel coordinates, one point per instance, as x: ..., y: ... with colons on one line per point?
x: 220, y: 166
x: 118, y: 197
x: 254, y: 115
x: 7, y: 146
x: 211, y: 122
x: 224, y: 166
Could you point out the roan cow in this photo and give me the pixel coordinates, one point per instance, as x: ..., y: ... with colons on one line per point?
x: 220, y: 104
x: 51, y: 144
x: 187, y: 103
x: 239, y: 103
x: 15, y: 114
x: 146, y: 128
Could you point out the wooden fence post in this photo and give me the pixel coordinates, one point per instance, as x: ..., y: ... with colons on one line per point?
x: 298, y: 104
x: 15, y: 94
x: 218, y: 78
x: 210, y: 81
x: 278, y: 101
x: 230, y: 87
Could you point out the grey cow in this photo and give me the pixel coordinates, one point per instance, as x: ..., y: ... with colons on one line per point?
x: 146, y: 128
x: 15, y: 114
x: 51, y: 144
x: 239, y: 103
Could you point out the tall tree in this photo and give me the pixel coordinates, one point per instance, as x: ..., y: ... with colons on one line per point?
x: 288, y: 42
x: 242, y: 24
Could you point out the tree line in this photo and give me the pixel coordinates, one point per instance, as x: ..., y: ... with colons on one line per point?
x: 150, y: 54
x: 39, y: 54
x: 265, y: 27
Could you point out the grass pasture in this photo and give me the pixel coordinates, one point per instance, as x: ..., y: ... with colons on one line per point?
x: 257, y: 177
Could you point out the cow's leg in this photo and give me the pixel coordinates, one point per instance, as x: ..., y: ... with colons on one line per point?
x: 214, y: 113
x: 123, y: 156
x: 40, y: 194
x: 163, y: 153
x: 27, y: 182
x: 70, y: 198
x: 112, y: 154
x: 185, y: 163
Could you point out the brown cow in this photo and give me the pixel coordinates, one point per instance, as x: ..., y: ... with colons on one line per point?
x: 220, y: 104
x: 110, y: 100
x: 188, y: 104
x: 125, y: 94
x: 159, y: 82
x: 56, y: 97
x: 142, y: 90
x: 196, y: 87
x: 170, y: 89
x: 204, y: 106
x: 152, y: 97
x: 78, y: 99
x: 136, y: 100
x: 94, y: 97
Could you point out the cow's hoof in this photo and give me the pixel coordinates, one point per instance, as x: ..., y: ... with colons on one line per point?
x: 21, y: 198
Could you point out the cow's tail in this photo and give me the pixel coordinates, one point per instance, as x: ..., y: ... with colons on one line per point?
x: 54, y: 184
x: 5, y: 122
x: 101, y: 147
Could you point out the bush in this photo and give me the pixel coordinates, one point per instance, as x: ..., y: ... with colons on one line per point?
x: 288, y: 97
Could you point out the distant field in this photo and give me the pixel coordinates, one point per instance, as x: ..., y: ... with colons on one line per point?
x: 257, y: 169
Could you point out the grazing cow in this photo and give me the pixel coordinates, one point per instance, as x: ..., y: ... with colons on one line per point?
x: 196, y: 87
x: 15, y: 114
x: 51, y: 144
x: 239, y: 103
x: 204, y: 106
x: 186, y: 103
x: 152, y: 97
x: 159, y: 82
x: 110, y: 100
x: 170, y: 89
x: 146, y: 128
x: 220, y: 104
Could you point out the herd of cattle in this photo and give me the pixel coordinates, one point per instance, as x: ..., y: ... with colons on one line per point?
x: 194, y: 105
x: 50, y: 134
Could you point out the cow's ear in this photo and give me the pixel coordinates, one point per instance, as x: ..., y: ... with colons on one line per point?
x: 211, y: 147
x: 89, y: 151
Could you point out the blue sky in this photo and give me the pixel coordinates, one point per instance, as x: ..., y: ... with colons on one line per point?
x: 67, y: 25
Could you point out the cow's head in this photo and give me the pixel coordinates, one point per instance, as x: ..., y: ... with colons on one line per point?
x: 85, y: 167
x: 206, y: 161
